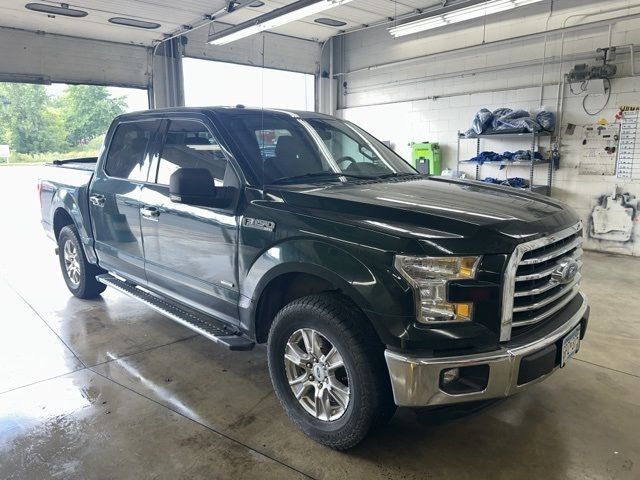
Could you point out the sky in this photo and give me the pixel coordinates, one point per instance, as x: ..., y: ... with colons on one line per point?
x: 210, y: 83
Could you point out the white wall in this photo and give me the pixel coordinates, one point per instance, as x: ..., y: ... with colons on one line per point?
x: 430, y: 99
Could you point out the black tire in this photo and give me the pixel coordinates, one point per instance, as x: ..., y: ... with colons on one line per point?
x: 84, y: 285
x: 341, y: 323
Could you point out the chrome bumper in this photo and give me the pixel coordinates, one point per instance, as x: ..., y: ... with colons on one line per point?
x: 416, y: 381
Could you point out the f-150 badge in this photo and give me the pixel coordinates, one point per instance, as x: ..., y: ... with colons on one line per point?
x: 259, y: 224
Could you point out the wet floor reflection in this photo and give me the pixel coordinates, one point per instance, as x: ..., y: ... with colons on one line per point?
x: 83, y: 426
x: 23, y: 334
x: 45, y: 407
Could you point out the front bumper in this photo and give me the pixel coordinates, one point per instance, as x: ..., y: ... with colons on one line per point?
x: 417, y: 381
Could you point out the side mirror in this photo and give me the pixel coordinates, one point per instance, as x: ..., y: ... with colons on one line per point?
x: 195, y: 186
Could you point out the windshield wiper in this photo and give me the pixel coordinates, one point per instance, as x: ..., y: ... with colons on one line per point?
x: 306, y: 176
x: 394, y: 174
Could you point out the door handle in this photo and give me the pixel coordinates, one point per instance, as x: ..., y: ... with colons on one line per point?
x: 150, y: 213
x: 97, y: 200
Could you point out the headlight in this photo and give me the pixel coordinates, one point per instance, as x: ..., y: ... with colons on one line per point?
x: 429, y: 276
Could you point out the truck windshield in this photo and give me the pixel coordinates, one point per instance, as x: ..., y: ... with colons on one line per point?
x: 286, y: 149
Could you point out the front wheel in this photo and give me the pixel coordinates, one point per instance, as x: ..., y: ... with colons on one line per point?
x: 78, y: 273
x: 328, y: 371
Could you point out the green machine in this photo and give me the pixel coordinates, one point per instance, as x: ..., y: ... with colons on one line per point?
x: 425, y: 157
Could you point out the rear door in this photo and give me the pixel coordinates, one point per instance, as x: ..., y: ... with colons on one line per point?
x: 114, y: 198
x: 190, y: 252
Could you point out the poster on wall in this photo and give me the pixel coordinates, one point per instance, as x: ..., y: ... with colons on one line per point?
x: 598, y: 147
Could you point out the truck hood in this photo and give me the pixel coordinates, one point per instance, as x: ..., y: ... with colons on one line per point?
x: 437, y: 208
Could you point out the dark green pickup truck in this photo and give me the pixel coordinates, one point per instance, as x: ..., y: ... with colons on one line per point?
x: 371, y: 284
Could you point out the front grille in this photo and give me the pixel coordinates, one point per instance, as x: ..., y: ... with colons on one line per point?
x: 533, y: 290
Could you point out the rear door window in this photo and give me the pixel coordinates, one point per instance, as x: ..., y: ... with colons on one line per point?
x: 190, y: 144
x: 128, y: 156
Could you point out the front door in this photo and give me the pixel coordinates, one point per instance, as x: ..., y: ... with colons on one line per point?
x: 190, y: 252
x: 114, y: 199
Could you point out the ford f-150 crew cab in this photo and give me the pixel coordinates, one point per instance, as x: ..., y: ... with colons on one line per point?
x: 372, y: 285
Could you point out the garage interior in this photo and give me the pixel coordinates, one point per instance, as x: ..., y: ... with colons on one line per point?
x: 109, y: 388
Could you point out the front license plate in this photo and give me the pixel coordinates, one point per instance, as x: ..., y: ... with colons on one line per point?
x: 570, y: 345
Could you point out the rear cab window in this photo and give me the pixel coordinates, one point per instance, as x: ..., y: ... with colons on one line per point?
x: 128, y: 155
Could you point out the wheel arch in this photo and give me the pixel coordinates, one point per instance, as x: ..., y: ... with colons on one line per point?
x: 61, y: 218
x: 67, y: 211
x: 299, y: 269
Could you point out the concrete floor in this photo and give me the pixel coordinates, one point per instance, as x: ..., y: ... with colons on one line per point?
x: 111, y: 389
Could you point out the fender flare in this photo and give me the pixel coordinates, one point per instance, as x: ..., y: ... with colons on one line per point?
x: 321, y: 259
x: 63, y: 199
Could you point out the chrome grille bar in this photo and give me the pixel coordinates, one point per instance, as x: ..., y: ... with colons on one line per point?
x: 547, y: 271
x: 528, y: 278
x: 554, y: 253
x: 547, y: 313
x: 549, y: 299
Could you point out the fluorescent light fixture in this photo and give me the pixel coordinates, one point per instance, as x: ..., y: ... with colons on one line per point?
x: 279, y: 16
x: 455, y: 15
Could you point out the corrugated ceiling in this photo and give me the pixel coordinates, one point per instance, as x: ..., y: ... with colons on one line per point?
x: 172, y: 15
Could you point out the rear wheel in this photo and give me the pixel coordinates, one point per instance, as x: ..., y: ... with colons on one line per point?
x: 328, y: 371
x: 78, y: 273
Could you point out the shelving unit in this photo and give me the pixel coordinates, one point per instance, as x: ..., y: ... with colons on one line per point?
x: 534, y: 142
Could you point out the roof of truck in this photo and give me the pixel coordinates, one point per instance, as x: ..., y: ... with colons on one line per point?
x: 237, y: 110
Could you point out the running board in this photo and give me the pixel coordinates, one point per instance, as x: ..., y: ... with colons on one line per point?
x: 202, y: 324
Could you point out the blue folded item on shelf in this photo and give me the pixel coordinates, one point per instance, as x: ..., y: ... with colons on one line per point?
x: 517, y: 120
x: 515, y: 182
x: 522, y: 156
x: 514, y: 114
x: 497, y: 114
x: 517, y: 156
x: 486, y: 157
x: 504, y: 119
x: 482, y: 121
x: 546, y: 120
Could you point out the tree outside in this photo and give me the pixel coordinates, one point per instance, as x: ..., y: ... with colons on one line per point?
x: 39, y: 127
x: 88, y: 111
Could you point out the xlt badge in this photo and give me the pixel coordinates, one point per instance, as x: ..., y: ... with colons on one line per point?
x: 259, y: 224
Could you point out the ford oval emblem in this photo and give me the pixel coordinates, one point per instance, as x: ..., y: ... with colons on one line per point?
x: 566, y: 271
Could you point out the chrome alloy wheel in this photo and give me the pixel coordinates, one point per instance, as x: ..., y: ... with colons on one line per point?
x: 316, y: 374
x: 72, y: 262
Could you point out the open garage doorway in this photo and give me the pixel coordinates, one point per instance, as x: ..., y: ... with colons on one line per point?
x: 208, y: 83
x: 41, y: 123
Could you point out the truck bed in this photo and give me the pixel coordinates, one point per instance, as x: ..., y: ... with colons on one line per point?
x: 64, y: 186
x: 86, y: 163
